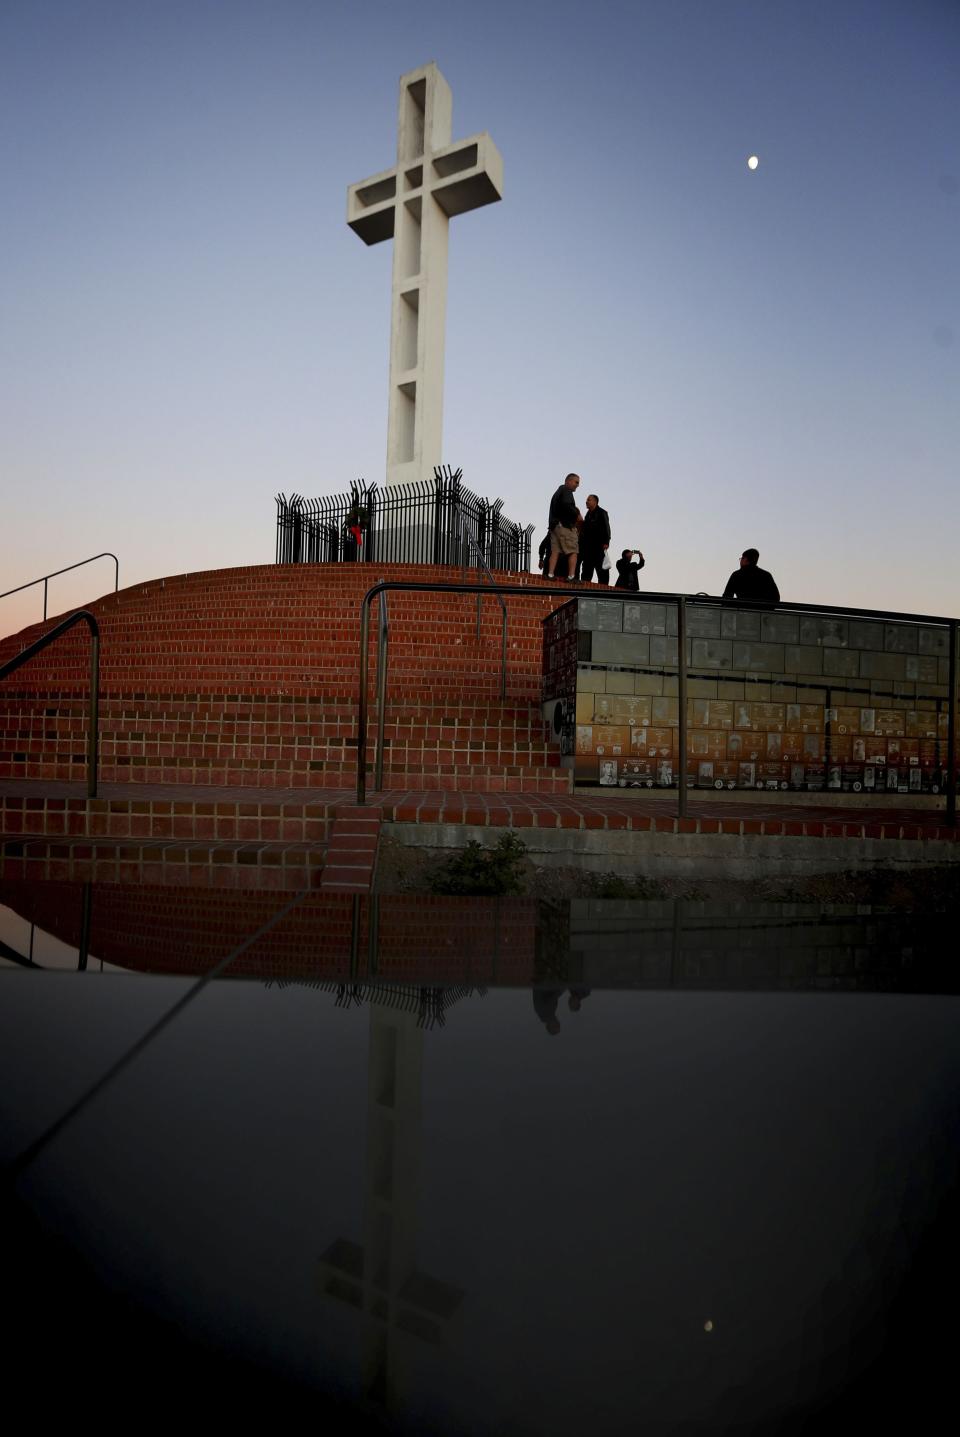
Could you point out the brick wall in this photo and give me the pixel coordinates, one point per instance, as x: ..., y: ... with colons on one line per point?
x: 250, y: 676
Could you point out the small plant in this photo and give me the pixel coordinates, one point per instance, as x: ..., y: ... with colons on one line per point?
x: 359, y: 517
x: 611, y: 885
x: 483, y: 872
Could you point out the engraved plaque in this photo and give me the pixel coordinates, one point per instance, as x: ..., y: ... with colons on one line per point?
x: 748, y: 625
x: 900, y: 639
x: 644, y: 619
x: 663, y: 651
x: 830, y: 633
x: 935, y: 641
x: 769, y: 716
x: 703, y: 623
x: 865, y: 634
x: 712, y: 653
x: 843, y: 663
x: 609, y: 615
x: 609, y: 648
x: 757, y: 657
x: 882, y: 666
x: 802, y: 659
x: 665, y: 711
x: 779, y: 628
x: 921, y: 669
x: 890, y: 721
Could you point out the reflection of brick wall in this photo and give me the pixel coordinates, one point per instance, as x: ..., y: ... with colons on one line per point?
x: 189, y: 931
x: 250, y: 676
x: 775, y: 946
x: 774, y: 699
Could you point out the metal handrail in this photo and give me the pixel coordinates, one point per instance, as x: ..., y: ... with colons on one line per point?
x: 44, y: 577
x: 44, y: 642
x: 646, y: 596
x: 482, y: 563
x: 383, y: 637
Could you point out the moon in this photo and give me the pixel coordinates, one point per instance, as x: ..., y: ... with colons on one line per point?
x: 753, y: 162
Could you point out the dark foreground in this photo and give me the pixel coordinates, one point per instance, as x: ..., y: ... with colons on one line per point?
x: 560, y: 1207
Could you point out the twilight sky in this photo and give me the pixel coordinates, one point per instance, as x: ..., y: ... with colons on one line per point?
x: 728, y: 358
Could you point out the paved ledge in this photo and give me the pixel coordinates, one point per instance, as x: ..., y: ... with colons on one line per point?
x: 688, y: 854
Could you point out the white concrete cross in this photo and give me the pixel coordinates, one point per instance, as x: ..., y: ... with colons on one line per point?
x: 412, y: 204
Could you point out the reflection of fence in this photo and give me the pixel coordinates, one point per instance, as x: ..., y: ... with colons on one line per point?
x: 430, y: 1004
x: 793, y: 698
x: 421, y: 523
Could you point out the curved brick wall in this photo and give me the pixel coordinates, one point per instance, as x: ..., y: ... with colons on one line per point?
x: 249, y: 676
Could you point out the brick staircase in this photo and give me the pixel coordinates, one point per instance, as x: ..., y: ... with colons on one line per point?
x: 249, y: 678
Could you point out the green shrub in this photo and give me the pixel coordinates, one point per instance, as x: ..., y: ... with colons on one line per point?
x: 483, y: 872
x: 611, y: 885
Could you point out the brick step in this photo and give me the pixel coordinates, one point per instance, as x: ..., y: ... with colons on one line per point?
x: 210, y: 819
x: 156, y: 708
x: 512, y: 778
x: 273, y: 866
x: 352, y: 851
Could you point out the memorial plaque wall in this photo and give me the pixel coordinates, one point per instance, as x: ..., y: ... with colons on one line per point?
x: 774, y: 700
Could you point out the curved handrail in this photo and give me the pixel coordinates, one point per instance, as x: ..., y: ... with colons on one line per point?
x: 680, y: 601
x: 79, y: 565
x: 44, y: 642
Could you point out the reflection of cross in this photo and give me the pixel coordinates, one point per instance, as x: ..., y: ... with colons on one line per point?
x: 380, y: 1278
x: 412, y: 204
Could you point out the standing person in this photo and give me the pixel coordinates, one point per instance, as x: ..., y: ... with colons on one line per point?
x: 751, y: 582
x: 543, y: 559
x: 594, y: 542
x: 629, y: 564
x: 564, y: 514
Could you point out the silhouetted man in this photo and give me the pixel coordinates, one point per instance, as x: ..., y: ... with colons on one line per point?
x: 751, y: 582
x: 564, y: 536
x: 545, y: 1002
x: 594, y: 542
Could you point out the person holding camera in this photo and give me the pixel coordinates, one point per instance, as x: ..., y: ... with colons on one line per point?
x: 628, y: 567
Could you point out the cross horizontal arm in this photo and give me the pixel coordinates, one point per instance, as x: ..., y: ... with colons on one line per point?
x: 461, y: 177
x: 467, y: 175
x: 372, y: 208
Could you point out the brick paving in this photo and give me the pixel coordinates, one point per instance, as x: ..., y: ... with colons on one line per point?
x: 30, y: 809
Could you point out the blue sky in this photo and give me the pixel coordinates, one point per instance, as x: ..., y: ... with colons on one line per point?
x: 728, y: 358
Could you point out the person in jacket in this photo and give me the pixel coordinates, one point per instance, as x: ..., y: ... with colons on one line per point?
x: 751, y: 582
x: 594, y: 542
x: 564, y: 536
x: 629, y: 564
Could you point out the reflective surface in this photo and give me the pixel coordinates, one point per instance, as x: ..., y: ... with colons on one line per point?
x: 441, y: 1204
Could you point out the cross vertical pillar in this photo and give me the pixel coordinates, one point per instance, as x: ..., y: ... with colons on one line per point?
x: 413, y: 204
x: 400, y: 1304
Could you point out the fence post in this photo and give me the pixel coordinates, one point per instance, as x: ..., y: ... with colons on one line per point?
x: 371, y: 516
x: 437, y: 513
x: 682, y: 702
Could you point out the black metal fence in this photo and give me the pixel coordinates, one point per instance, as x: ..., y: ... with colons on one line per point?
x: 426, y: 522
